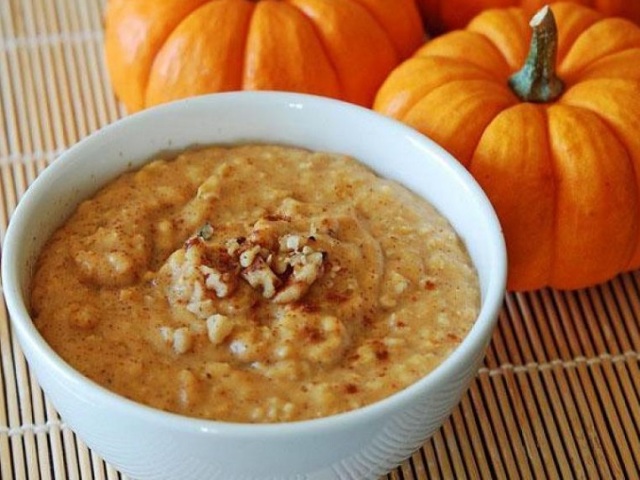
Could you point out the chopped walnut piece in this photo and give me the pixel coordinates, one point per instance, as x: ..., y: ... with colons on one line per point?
x: 223, y: 284
x: 282, y: 267
x: 199, y: 304
x: 259, y: 275
x: 307, y: 268
x: 233, y: 245
x: 291, y: 292
x: 219, y: 328
x: 290, y: 242
x: 248, y: 256
x: 279, y: 263
x: 181, y: 339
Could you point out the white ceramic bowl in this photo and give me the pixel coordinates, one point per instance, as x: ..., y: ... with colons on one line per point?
x: 150, y: 444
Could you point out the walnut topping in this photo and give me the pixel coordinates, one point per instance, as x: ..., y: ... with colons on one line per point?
x: 285, y: 273
x: 223, y: 284
x: 248, y: 256
x: 233, y: 245
x: 290, y: 242
x: 260, y: 276
x: 180, y: 339
x: 281, y: 266
x: 307, y: 267
x: 219, y: 328
x: 199, y: 304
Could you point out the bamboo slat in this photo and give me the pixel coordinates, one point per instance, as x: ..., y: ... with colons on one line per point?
x: 558, y: 395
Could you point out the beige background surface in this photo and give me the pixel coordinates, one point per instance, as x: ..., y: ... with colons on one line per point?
x: 558, y: 396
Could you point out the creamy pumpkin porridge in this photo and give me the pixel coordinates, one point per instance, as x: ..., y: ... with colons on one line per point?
x: 254, y: 284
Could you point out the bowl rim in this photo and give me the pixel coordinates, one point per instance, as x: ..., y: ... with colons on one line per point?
x: 27, y: 332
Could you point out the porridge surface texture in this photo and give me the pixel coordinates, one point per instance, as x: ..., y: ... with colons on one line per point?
x: 255, y: 283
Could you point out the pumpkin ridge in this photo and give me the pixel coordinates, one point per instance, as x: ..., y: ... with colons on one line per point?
x: 470, y: 64
x: 202, y: 54
x: 496, y: 97
x: 484, y: 73
x: 599, y: 24
x: 610, y: 125
x: 515, y: 15
x: 361, y: 51
x: 399, y: 55
x: 607, y: 270
x: 491, y: 160
x: 462, y: 39
x: 629, y: 264
x: 553, y: 162
x: 162, y: 44
x: 244, y: 50
x: 473, y: 154
x: 285, y: 53
x: 587, y: 73
x: 431, y: 64
x: 613, y: 130
x: 406, y: 32
x: 325, y: 49
x: 574, y: 19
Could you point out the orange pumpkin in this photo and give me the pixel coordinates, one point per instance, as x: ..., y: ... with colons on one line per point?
x: 445, y: 15
x: 162, y: 50
x: 556, y: 150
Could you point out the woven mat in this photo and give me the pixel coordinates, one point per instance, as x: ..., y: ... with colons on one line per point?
x: 557, y: 397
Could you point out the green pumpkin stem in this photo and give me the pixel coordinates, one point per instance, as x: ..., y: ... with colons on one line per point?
x: 537, y: 81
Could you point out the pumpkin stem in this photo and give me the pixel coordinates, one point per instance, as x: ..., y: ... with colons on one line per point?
x: 537, y: 81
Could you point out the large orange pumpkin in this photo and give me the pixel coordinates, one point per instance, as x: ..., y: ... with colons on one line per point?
x: 444, y: 15
x: 162, y: 50
x: 558, y: 152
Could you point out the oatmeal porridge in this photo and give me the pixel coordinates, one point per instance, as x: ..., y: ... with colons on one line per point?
x: 255, y: 283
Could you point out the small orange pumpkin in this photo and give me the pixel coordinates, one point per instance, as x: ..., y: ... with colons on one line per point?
x: 162, y: 50
x: 557, y: 151
x: 445, y: 15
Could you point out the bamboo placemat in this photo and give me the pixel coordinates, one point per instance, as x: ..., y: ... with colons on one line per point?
x: 557, y: 397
